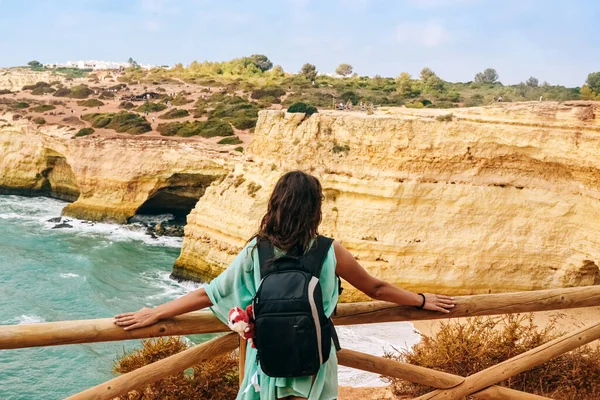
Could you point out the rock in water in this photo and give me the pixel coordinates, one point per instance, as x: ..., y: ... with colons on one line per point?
x: 55, y: 220
x: 62, y: 225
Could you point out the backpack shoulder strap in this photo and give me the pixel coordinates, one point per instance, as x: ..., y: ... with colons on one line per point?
x: 313, y: 260
x: 266, y: 255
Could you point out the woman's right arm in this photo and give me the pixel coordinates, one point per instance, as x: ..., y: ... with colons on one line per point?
x: 196, y: 300
x: 351, y: 271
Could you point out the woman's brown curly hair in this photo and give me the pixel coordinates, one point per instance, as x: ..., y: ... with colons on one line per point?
x: 294, y: 213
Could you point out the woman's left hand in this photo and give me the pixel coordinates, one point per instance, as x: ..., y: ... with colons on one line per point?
x: 139, y: 319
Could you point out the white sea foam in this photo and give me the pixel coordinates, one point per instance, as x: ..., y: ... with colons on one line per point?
x: 39, y: 210
x: 68, y: 275
x: 117, y: 233
x: 168, y: 288
x: 373, y: 339
x: 25, y: 319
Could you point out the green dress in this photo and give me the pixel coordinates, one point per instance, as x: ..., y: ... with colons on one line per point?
x: 236, y: 287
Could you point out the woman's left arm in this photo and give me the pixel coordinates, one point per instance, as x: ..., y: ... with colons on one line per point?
x: 196, y: 300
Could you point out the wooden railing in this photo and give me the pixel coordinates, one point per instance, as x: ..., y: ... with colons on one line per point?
x: 480, y: 385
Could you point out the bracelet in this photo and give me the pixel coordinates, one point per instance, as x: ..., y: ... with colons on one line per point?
x: 422, y: 304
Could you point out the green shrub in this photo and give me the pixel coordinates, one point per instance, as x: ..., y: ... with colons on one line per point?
x: 214, y: 128
x: 122, y: 122
x: 85, y: 132
x: 5, y: 91
x: 39, y: 120
x: 302, y: 108
x: 269, y: 91
x: 239, y: 149
x: 80, y: 92
x: 21, y: 104
x: 127, y: 105
x: 41, y: 90
x: 43, y: 108
x: 415, y: 104
x: 174, y: 113
x: 62, y: 92
x: 151, y: 107
x: 106, y: 95
x: 207, y: 129
x: 244, y: 123
x: 90, y: 103
x: 230, y: 140
x: 179, y: 100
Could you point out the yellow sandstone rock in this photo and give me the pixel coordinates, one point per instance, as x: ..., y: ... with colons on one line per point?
x: 15, y: 78
x: 107, y: 178
x: 490, y: 199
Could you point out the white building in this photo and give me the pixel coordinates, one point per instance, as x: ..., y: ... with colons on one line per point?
x: 96, y: 65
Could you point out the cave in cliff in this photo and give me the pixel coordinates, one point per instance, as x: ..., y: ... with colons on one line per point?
x: 57, y: 180
x: 178, y: 196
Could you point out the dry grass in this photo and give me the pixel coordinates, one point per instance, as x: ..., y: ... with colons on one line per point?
x: 216, y: 379
x: 464, y: 348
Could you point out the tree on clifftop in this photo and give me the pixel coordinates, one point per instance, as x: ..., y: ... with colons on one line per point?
x: 489, y: 76
x: 35, y: 64
x: 593, y: 82
x: 431, y: 82
x: 309, y: 71
x: 532, y: 82
x: 344, y: 70
x: 404, y: 84
x: 261, y: 61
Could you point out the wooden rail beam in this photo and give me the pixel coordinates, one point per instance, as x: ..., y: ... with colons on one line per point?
x: 160, y: 369
x: 424, y: 376
x: 518, y: 364
x: 102, y: 330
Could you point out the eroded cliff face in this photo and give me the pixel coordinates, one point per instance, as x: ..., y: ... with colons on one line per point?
x: 498, y: 198
x: 15, y: 78
x: 108, y: 179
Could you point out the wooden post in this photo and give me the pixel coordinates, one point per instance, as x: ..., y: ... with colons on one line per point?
x: 102, y: 330
x: 242, y: 357
x: 423, y: 376
x: 159, y: 369
x: 518, y: 364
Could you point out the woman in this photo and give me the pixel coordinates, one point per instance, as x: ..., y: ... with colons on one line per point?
x: 290, y: 224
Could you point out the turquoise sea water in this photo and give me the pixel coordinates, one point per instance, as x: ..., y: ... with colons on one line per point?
x: 88, y: 271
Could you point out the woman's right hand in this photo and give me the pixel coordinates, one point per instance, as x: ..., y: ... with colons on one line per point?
x: 139, y: 319
x: 438, y: 302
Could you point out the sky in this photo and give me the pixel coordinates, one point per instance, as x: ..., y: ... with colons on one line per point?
x: 554, y: 41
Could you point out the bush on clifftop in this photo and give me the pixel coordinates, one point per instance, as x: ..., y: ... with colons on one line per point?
x: 207, y: 129
x: 90, y: 103
x: 302, y: 108
x: 215, y: 379
x: 464, y: 348
x: 85, y: 132
x: 122, y: 122
x: 43, y: 108
x: 174, y: 113
x: 151, y: 107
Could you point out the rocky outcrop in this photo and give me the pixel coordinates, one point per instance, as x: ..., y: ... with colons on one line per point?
x: 15, y: 78
x: 109, y: 179
x: 477, y: 200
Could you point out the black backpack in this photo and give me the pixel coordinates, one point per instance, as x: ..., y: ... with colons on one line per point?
x: 292, y: 334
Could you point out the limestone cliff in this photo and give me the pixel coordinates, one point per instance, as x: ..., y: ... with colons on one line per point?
x: 15, y: 78
x: 488, y: 199
x: 108, y: 179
